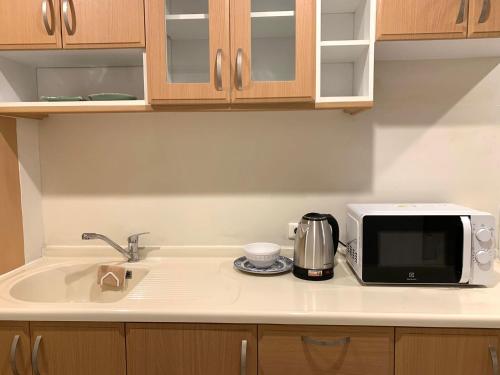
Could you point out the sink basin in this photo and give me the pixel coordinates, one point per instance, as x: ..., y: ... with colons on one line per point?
x: 72, y: 283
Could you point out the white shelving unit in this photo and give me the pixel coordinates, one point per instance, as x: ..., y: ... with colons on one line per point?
x: 345, y: 52
x: 26, y: 76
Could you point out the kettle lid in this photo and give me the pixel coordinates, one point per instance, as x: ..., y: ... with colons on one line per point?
x: 313, y: 216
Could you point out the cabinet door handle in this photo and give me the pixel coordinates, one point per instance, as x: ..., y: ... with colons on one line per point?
x: 239, y: 68
x: 243, y: 359
x: 461, y: 12
x: 337, y: 342
x: 47, y: 7
x: 494, y: 360
x: 13, y: 352
x: 34, y: 355
x: 218, y: 70
x: 485, y: 12
x: 67, y: 5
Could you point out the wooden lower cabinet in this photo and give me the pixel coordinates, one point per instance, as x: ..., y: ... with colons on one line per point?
x: 8, y: 333
x: 435, y: 351
x: 191, y: 349
x: 322, y: 350
x: 80, y: 348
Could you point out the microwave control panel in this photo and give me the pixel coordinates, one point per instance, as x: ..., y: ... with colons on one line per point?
x: 483, y: 249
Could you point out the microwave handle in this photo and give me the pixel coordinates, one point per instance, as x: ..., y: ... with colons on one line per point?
x: 467, y: 250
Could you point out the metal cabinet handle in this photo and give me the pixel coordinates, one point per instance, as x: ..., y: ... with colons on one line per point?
x: 494, y: 360
x: 34, y: 355
x: 239, y: 67
x: 243, y: 359
x: 49, y: 26
x: 338, y: 342
x: 218, y: 70
x: 485, y: 12
x: 13, y: 352
x: 70, y: 28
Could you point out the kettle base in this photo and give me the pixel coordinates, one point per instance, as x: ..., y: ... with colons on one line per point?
x: 312, y: 275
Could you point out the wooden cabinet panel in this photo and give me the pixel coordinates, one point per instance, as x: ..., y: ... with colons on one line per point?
x: 11, y: 220
x: 8, y: 331
x: 286, y: 350
x: 103, y: 23
x: 271, y: 38
x: 444, y: 351
x: 190, y: 349
x: 422, y: 19
x: 22, y: 25
x: 484, y: 18
x: 80, y: 348
x: 201, y: 45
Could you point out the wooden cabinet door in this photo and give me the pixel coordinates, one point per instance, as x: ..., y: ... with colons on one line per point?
x: 102, y: 23
x: 79, y: 348
x: 191, y: 349
x: 421, y: 19
x: 273, y: 50
x: 188, y: 51
x: 484, y: 18
x: 318, y: 350
x: 445, y: 351
x: 23, y: 25
x: 15, y: 346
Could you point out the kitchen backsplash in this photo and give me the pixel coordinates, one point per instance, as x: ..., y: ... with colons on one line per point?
x: 232, y: 178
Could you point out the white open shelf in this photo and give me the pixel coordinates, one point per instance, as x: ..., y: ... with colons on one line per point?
x: 26, y: 76
x: 345, y: 51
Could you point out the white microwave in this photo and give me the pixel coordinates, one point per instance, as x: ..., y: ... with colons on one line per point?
x: 420, y: 244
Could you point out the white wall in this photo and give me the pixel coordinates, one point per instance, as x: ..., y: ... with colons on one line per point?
x: 233, y: 178
x: 31, y: 187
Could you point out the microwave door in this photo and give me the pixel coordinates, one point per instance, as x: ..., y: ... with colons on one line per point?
x: 467, y: 259
x: 418, y: 249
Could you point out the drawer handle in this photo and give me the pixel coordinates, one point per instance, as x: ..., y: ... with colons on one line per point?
x: 34, y: 355
x: 494, y: 360
x: 243, y: 359
x: 461, y: 13
x: 70, y: 29
x: 13, y: 352
x: 338, y: 342
x: 218, y: 69
x: 485, y: 12
x: 239, y: 69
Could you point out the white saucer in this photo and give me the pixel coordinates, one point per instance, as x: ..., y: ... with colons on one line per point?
x: 282, y: 265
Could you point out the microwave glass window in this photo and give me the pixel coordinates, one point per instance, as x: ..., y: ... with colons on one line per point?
x: 412, y: 249
x: 422, y: 248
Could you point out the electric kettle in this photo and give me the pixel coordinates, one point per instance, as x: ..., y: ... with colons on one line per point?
x: 316, y: 242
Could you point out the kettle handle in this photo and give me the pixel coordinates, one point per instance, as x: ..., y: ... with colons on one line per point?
x: 335, y: 232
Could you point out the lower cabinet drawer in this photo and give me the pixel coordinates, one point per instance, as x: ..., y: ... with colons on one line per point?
x: 322, y: 350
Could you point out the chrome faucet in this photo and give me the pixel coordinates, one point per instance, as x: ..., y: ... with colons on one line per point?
x: 132, y: 251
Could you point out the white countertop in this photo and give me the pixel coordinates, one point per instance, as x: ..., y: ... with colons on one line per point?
x: 190, y: 286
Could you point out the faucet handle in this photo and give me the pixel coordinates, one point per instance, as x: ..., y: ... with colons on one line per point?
x: 134, y: 238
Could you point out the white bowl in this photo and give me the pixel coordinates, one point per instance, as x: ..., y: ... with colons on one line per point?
x: 262, y: 254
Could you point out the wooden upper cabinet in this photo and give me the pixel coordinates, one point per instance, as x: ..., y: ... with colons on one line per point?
x: 188, y: 51
x: 102, y: 23
x: 191, y: 349
x: 422, y: 19
x: 79, y: 348
x: 484, y: 18
x: 29, y: 24
x: 15, y: 348
x: 433, y: 351
x: 273, y: 50
x: 322, y: 350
